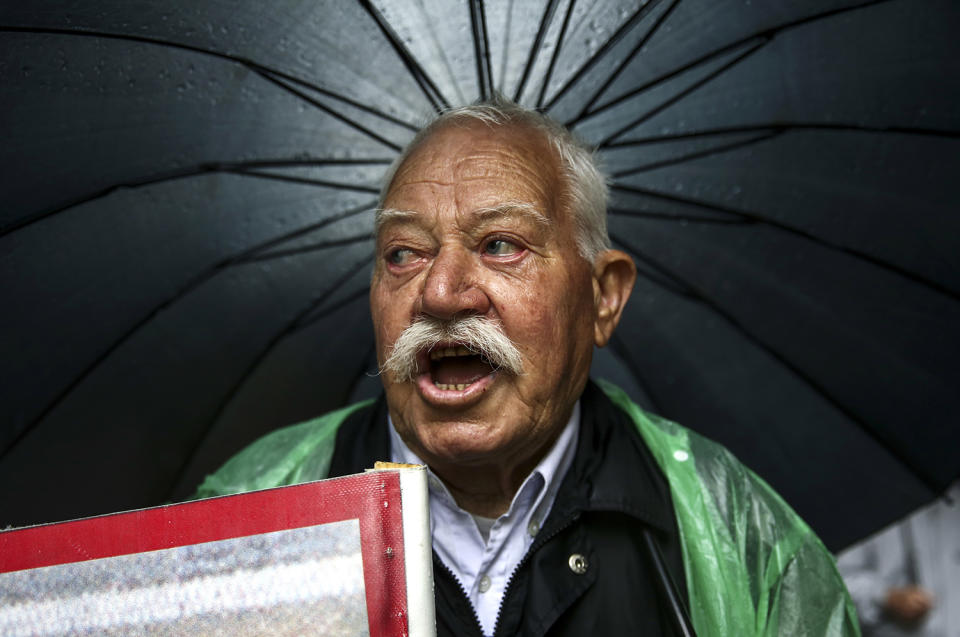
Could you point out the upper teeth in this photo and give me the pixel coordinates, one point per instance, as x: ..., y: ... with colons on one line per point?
x: 444, y: 352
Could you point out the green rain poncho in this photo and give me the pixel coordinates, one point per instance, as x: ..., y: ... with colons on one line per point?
x: 753, y: 566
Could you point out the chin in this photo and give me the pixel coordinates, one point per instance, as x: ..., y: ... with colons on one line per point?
x: 453, y: 440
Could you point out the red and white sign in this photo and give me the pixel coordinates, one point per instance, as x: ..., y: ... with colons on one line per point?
x: 346, y: 556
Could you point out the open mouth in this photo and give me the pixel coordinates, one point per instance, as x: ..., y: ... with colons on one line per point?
x: 456, y: 368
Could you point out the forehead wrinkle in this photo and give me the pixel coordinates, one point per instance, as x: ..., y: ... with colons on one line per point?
x: 499, y: 164
x: 512, y: 209
x: 487, y: 214
x: 432, y: 181
x: 476, y: 160
x: 467, y: 169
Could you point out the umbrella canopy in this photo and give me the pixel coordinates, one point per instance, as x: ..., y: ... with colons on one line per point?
x: 188, y: 192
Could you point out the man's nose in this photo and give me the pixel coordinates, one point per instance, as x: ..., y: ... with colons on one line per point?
x: 451, y: 287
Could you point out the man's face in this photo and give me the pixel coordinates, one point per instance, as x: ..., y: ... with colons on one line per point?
x: 478, y: 231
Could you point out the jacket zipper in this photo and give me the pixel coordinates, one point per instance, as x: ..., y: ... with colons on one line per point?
x: 463, y: 591
x: 539, y: 542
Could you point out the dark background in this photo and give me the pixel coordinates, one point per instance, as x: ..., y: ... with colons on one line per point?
x: 186, y: 196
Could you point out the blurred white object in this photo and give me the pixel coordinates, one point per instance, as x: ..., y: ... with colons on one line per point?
x: 923, y: 550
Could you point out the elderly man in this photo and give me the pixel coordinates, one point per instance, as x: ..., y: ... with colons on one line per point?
x: 557, y: 507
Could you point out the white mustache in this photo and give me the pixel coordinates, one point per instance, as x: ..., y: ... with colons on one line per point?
x: 481, y: 335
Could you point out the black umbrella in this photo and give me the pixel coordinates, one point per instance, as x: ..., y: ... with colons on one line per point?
x: 188, y: 190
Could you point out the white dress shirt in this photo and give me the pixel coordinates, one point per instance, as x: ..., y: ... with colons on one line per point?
x: 921, y: 550
x: 484, y: 565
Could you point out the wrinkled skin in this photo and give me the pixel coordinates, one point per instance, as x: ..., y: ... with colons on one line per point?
x: 444, y: 257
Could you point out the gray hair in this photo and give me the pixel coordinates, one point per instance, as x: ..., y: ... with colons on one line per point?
x: 586, y: 185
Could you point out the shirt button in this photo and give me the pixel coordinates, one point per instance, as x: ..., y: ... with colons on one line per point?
x: 578, y: 563
x: 533, y: 528
x: 484, y: 584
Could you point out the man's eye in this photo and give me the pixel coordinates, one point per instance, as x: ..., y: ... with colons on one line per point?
x: 400, y: 256
x: 501, y: 248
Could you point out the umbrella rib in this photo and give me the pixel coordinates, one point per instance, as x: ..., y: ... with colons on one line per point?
x: 506, y: 47
x: 251, y: 64
x: 545, y: 20
x: 763, y: 34
x: 35, y: 217
x: 783, y: 126
x: 756, y: 46
x: 190, y: 286
x: 326, y: 109
x: 660, y: 79
x: 666, y: 216
x: 306, y: 180
x: 481, y: 48
x: 313, y: 247
x: 292, y: 163
x: 201, y: 169
x: 663, y: 277
x: 440, y: 54
x: 716, y: 150
x: 767, y: 132
x: 556, y: 54
x: 755, y: 218
x: 620, y: 347
x: 429, y: 89
x: 626, y: 60
x: 701, y: 297
x: 618, y: 35
x: 307, y: 320
x: 289, y: 329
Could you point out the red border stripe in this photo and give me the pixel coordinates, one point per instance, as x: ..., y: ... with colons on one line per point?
x: 373, y: 498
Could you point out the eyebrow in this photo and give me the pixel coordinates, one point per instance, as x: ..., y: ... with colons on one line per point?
x: 384, y: 216
x: 503, y: 210
x: 513, y: 209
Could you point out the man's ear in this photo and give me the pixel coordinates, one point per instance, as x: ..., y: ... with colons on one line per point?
x: 613, y: 276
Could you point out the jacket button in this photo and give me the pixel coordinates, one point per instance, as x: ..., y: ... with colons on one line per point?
x: 578, y: 564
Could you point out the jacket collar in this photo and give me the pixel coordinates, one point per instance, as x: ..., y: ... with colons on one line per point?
x: 613, y: 471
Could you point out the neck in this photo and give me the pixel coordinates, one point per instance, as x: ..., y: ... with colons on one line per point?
x: 484, y: 484
x: 488, y: 490
x: 484, y: 491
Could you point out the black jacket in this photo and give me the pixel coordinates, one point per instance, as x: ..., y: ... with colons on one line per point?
x: 612, y: 492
